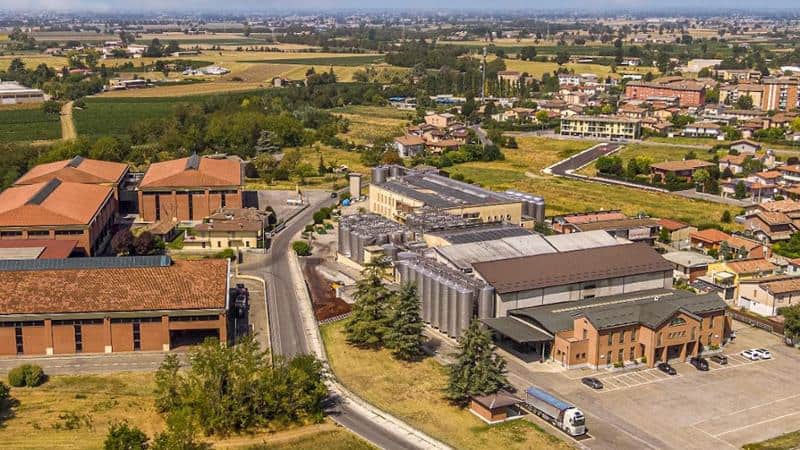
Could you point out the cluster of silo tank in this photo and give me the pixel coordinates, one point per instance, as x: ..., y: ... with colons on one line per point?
x: 449, y: 300
x: 358, y: 231
x: 382, y: 173
x: 532, y: 206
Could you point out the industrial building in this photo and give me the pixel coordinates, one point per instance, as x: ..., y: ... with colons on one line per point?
x: 189, y: 189
x: 396, y: 192
x: 113, y: 304
x: 13, y: 93
x: 78, y: 170
x: 574, y: 275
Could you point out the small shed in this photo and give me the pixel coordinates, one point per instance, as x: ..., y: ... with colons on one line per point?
x: 497, y: 407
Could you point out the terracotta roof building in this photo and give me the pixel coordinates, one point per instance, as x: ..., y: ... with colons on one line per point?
x: 682, y: 169
x: 103, y: 305
x: 78, y: 170
x: 59, y: 210
x: 189, y: 188
x: 36, y: 249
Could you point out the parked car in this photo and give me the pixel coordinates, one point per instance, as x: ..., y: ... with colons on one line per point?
x: 592, y: 382
x: 666, y: 368
x: 720, y: 359
x: 751, y: 355
x: 762, y: 353
x: 699, y: 363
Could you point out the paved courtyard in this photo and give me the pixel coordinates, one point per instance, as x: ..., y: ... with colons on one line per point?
x: 726, y: 407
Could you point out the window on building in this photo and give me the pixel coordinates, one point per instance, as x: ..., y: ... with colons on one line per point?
x: 68, y: 232
x: 608, y: 358
x: 10, y: 234
x: 691, y: 337
x: 38, y: 234
x: 677, y: 321
x: 158, y: 207
x: 78, y: 339
x: 633, y: 335
x: 632, y: 354
x: 137, y: 336
x: 191, y: 205
x: 18, y: 339
x: 620, y: 355
x: 585, y: 333
x: 610, y: 338
x: 622, y: 337
x: 658, y: 340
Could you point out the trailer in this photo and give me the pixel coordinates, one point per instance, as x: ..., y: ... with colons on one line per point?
x: 561, y: 414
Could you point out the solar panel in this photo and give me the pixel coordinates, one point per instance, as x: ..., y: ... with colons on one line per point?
x: 44, y: 192
x: 103, y: 262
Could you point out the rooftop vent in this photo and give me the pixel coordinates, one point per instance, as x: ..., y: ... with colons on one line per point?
x: 193, y: 162
x: 44, y: 192
x: 75, y: 161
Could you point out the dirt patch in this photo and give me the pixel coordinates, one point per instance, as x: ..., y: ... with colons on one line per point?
x: 323, y: 297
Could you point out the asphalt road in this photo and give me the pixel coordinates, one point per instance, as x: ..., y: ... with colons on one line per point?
x: 286, y: 325
x: 581, y: 159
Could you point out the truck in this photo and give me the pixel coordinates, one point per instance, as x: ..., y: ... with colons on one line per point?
x: 561, y: 414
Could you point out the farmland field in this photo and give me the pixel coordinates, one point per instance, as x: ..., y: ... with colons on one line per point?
x: 347, y: 60
x: 29, y: 123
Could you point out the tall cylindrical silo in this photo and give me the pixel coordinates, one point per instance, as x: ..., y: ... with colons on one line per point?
x: 379, y: 175
x: 486, y: 302
x: 538, y: 206
x: 465, y: 307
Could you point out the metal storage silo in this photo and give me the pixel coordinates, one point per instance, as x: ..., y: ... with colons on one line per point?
x: 405, y: 255
x: 538, y: 208
x: 396, y: 171
x: 452, y: 308
x: 379, y: 175
x: 390, y: 251
x: 465, y: 302
x: 353, y: 244
x: 486, y: 302
x: 436, y: 293
x: 402, y: 271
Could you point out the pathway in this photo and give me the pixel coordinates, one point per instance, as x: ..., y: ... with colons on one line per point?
x: 67, y: 123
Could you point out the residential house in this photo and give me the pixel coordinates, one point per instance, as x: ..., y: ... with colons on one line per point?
x: 409, y: 146
x: 679, y: 232
x: 702, y: 129
x: 442, y: 120
x: 766, y: 296
x: 570, y: 223
x: 689, y: 266
x: 681, y: 169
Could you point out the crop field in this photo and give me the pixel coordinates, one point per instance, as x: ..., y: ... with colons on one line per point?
x: 370, y: 123
x: 347, y: 60
x: 29, y: 123
x: 521, y: 170
x: 31, y: 61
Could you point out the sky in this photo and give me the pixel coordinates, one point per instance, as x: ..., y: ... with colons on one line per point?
x: 268, y: 5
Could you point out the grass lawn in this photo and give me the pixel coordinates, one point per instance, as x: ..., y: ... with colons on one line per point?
x: 788, y: 441
x: 373, y: 123
x: 28, y: 124
x: 567, y: 195
x: 413, y: 392
x: 660, y: 153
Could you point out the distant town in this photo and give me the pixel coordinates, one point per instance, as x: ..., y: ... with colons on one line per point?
x: 400, y: 230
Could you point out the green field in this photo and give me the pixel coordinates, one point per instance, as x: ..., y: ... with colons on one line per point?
x: 25, y: 125
x: 788, y: 441
x: 354, y: 60
x: 114, y: 116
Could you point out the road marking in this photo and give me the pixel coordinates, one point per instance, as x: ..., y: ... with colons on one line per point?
x: 757, y: 423
x: 726, y: 443
x: 790, y: 397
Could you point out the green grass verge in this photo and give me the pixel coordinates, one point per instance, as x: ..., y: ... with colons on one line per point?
x: 788, y: 441
x: 19, y: 125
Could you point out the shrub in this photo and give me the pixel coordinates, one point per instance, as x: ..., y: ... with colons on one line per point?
x: 228, y: 253
x: 4, y: 390
x: 301, y: 248
x: 123, y: 437
x: 619, y: 364
x: 643, y: 359
x: 26, y: 375
x: 328, y: 226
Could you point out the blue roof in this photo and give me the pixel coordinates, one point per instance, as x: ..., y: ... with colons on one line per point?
x: 547, y: 397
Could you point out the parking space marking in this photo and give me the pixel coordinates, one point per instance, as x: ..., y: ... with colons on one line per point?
x: 750, y: 425
x: 634, y: 379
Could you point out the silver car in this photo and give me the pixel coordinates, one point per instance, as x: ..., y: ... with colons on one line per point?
x: 751, y: 355
x: 762, y: 353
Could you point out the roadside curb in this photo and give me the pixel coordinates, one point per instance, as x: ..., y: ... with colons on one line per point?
x: 266, y: 309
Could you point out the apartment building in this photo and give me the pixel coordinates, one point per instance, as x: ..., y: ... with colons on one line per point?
x: 604, y: 127
x: 689, y: 93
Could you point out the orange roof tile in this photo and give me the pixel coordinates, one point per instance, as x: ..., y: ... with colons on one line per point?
x: 193, y: 172
x: 52, y: 203
x: 181, y: 286
x: 751, y: 265
x: 710, y: 235
x: 672, y: 225
x: 76, y: 170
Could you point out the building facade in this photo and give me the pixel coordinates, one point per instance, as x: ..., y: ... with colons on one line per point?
x: 601, y: 127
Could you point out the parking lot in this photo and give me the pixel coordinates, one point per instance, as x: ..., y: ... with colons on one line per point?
x: 728, y: 406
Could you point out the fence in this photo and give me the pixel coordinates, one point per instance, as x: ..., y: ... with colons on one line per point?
x: 758, y: 322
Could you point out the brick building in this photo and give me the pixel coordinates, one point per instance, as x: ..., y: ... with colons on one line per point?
x: 688, y: 93
x: 78, y: 170
x: 657, y: 326
x: 58, y: 210
x: 780, y: 93
x: 104, y: 305
x: 189, y: 188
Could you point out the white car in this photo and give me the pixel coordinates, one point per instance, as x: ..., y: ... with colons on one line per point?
x: 751, y: 355
x: 762, y: 353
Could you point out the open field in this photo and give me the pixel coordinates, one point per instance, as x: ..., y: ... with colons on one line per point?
x: 31, y: 61
x: 537, y: 68
x: 413, y: 392
x: 567, y: 195
x: 311, y: 59
x: 28, y: 123
x: 41, y: 416
x: 184, y: 90
x: 368, y: 123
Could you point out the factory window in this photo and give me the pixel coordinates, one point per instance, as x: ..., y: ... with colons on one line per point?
x: 633, y: 335
x: 610, y: 338
x: 632, y: 353
x: 620, y: 355
x: 622, y: 337
x: 78, y: 339
x: 18, y: 339
x: 137, y: 336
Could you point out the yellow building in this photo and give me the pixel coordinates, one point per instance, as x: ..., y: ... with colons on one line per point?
x: 397, y: 197
x: 601, y: 127
x: 232, y: 228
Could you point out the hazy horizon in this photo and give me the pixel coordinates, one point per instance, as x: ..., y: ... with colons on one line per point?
x: 230, y: 6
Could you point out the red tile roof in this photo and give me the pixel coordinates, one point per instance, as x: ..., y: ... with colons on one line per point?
x: 672, y: 225
x: 52, y: 203
x: 674, y: 166
x: 193, y: 172
x: 76, y: 170
x: 711, y: 235
x: 51, y: 248
x: 184, y: 285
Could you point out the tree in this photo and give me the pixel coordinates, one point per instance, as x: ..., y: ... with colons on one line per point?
x: 562, y: 58
x: 791, y: 315
x: 51, y: 107
x: 527, y: 53
x: 121, y: 436
x: 168, y: 384
x: 477, y: 369
x: 740, y: 191
x: 664, y: 237
x: 744, y: 102
x: 367, y: 324
x: 790, y: 248
x: 122, y: 242
x: 301, y: 248
x: 144, y: 244
x: 701, y: 176
x: 726, y: 217
x: 404, y: 336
